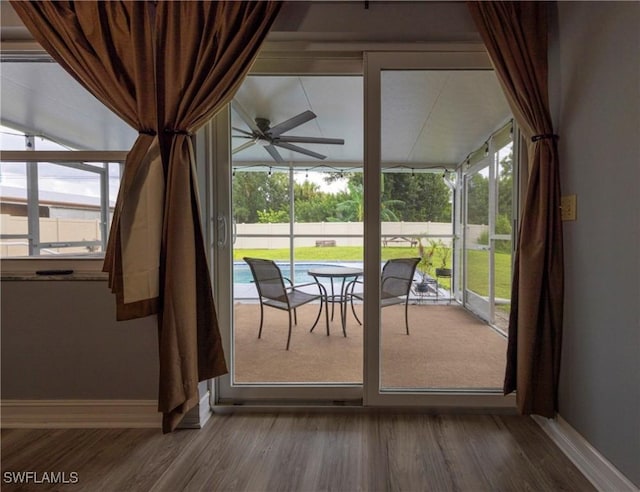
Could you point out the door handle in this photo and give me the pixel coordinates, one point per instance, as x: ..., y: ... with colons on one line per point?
x: 222, y: 231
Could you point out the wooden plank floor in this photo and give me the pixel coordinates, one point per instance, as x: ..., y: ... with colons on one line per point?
x: 301, y: 452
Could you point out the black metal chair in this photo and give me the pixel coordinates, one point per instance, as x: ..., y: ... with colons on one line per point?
x: 395, y: 285
x: 272, y: 292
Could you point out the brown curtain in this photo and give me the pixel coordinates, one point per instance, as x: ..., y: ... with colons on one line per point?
x: 515, y: 35
x: 166, y: 68
x: 119, y: 72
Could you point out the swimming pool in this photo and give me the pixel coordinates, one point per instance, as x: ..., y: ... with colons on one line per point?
x: 242, y: 273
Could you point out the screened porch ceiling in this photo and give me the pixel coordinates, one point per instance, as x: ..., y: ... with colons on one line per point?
x: 430, y: 118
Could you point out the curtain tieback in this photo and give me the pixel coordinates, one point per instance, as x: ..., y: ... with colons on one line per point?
x: 176, y: 131
x: 542, y: 136
x: 147, y: 132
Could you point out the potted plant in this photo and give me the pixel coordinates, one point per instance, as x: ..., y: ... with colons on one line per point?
x: 445, y: 253
x: 425, y: 264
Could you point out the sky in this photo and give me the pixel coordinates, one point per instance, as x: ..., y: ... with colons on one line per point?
x: 52, y: 177
x: 63, y: 179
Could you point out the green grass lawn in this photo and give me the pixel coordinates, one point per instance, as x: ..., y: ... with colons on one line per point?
x: 477, y: 269
x: 478, y: 273
x: 334, y: 253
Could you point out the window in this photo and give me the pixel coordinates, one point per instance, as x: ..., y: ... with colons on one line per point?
x: 60, y: 166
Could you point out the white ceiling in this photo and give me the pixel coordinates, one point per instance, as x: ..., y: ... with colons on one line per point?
x: 337, y: 102
x: 430, y: 118
x: 43, y: 99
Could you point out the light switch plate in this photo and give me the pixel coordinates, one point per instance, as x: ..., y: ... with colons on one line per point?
x: 568, y: 207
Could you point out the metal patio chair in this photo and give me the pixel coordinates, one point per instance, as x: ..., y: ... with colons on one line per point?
x: 272, y: 292
x: 395, y: 285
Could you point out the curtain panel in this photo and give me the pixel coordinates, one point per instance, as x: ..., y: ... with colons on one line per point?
x: 515, y: 36
x: 165, y: 68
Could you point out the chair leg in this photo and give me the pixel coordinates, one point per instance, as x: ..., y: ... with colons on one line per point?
x: 261, y: 317
x: 353, y: 310
x: 323, y: 299
x: 343, y: 315
x: 326, y: 312
x: 295, y: 317
x: 406, y: 314
x: 317, y: 317
x: 289, y: 336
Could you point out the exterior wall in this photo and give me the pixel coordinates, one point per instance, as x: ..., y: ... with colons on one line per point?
x: 595, y: 94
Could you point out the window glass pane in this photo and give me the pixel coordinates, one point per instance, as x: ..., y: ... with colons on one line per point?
x: 45, y: 109
x: 431, y: 121
x: 297, y: 200
x: 69, y: 207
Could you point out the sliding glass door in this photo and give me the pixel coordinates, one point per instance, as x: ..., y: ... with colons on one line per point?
x: 292, y: 198
x: 426, y: 113
x: 368, y: 224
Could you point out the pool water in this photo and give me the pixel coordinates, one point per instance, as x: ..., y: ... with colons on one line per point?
x: 242, y: 272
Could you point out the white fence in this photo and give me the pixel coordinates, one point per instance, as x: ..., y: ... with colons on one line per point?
x: 52, y: 230
x: 270, y: 236
x: 262, y: 236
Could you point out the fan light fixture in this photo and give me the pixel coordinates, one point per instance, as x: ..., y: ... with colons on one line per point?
x: 263, y: 134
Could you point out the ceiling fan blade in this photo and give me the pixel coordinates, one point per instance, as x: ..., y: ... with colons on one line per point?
x: 242, y: 131
x: 287, y: 125
x: 243, y: 146
x: 274, y: 153
x: 295, y: 148
x: 318, y: 140
x: 244, y: 116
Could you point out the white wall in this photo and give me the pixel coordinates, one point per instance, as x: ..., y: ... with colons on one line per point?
x: 595, y: 92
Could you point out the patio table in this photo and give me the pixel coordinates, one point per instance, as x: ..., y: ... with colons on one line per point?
x: 336, y: 272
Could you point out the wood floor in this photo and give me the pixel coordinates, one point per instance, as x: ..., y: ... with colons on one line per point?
x: 301, y: 452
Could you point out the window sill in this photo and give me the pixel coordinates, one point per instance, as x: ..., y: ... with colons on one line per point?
x: 75, y: 276
x: 24, y: 269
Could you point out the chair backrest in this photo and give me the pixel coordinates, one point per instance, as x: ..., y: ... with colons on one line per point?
x: 397, y: 275
x: 268, y: 278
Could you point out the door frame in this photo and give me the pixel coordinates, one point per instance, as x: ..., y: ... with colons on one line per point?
x: 482, y: 307
x: 490, y: 160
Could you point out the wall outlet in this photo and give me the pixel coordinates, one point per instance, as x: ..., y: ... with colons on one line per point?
x: 568, y: 207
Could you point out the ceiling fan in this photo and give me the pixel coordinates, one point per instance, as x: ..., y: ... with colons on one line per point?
x: 270, y: 137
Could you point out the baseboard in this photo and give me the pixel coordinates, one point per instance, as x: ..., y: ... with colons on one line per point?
x: 198, y: 416
x: 62, y: 414
x: 599, y: 471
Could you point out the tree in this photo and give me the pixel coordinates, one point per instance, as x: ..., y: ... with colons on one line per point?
x: 352, y: 209
x: 273, y: 216
x: 505, y: 186
x: 313, y: 205
x: 257, y: 191
x: 478, y: 200
x: 420, y: 197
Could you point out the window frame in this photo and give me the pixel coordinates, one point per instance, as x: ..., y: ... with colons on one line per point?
x: 70, y: 158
